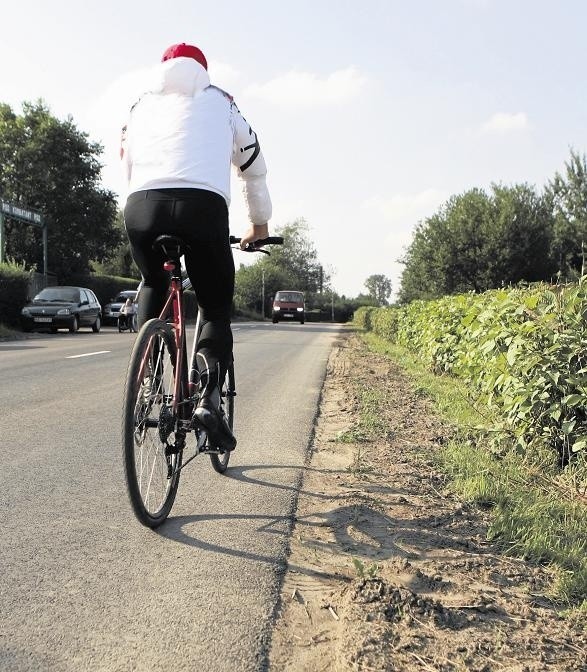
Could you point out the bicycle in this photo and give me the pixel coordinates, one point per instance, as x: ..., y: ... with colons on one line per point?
x: 160, y: 396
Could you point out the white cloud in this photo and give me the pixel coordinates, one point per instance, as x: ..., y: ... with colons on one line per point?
x: 223, y: 75
x: 105, y: 115
x: 110, y: 107
x: 116, y: 100
x: 307, y: 88
x: 406, y: 210
x: 502, y: 122
x: 392, y: 221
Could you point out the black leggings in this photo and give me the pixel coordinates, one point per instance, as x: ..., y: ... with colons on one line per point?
x: 200, y: 218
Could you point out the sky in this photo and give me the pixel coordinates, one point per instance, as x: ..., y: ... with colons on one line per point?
x: 370, y: 114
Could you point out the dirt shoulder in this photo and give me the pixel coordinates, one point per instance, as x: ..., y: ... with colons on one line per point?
x: 425, y: 590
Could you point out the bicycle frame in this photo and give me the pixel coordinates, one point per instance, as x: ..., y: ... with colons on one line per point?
x: 172, y: 313
x: 174, y: 306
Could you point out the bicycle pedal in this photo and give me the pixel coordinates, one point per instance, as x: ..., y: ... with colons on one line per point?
x: 208, y: 450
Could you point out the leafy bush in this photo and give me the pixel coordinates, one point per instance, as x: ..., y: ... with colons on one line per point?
x: 362, y: 317
x: 14, y: 286
x: 384, y: 322
x: 522, y: 351
x: 105, y: 287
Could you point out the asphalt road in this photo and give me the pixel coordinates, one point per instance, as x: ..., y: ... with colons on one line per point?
x: 83, y: 586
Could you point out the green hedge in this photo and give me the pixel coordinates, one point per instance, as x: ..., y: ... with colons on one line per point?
x: 106, y: 287
x: 14, y: 286
x: 521, y: 351
x: 362, y: 317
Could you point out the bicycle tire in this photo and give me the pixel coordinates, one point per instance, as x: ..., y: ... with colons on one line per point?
x: 220, y: 462
x: 146, y: 416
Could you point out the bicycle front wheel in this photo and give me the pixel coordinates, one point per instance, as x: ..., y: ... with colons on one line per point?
x: 227, y: 394
x: 148, y: 424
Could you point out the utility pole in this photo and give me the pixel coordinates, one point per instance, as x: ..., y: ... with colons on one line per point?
x: 263, y: 293
x: 331, y: 273
x: 2, y: 244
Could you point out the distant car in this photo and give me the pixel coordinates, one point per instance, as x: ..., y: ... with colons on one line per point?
x: 288, y: 305
x: 112, y: 309
x: 56, y: 308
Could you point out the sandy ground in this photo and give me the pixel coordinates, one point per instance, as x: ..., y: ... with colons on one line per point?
x: 388, y: 571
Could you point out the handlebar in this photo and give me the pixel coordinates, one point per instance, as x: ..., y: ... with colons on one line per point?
x: 251, y: 247
x: 258, y: 244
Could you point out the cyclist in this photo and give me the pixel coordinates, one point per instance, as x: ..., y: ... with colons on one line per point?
x: 126, y: 315
x: 177, y: 147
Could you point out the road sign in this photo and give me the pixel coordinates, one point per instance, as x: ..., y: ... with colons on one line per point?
x: 23, y: 214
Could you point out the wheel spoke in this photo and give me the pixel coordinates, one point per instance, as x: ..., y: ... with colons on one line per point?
x: 148, y: 423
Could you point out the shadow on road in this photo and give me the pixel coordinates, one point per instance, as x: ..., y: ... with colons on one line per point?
x: 174, y: 530
x: 242, y: 474
x: 354, y: 527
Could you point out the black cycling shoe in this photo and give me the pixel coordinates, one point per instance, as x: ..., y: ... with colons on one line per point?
x: 213, y: 421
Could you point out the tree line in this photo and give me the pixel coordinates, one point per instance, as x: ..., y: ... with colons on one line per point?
x: 296, y: 265
x: 482, y: 240
x: 51, y: 165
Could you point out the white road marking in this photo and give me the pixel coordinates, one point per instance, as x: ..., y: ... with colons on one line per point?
x: 89, y: 354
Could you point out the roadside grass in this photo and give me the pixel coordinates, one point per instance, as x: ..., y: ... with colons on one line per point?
x: 369, y: 425
x: 535, y: 512
x: 245, y: 314
x: 9, y: 333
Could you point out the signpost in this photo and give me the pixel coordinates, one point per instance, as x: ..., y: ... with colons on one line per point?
x: 22, y: 214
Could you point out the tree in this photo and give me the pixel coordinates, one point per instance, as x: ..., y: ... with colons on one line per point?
x: 119, y: 261
x: 293, y: 265
x: 567, y: 194
x: 379, y: 288
x: 51, y: 165
x: 477, y: 242
x: 297, y: 258
x: 249, y: 283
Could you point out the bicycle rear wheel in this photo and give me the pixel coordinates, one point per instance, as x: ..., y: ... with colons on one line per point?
x: 148, y: 423
x: 227, y: 394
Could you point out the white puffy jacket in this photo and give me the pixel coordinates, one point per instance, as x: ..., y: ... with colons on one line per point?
x: 185, y: 133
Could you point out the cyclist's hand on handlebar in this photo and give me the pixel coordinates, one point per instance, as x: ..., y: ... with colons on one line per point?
x: 257, y: 245
x: 255, y: 232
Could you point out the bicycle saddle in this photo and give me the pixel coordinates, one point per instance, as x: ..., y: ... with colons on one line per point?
x: 171, y: 246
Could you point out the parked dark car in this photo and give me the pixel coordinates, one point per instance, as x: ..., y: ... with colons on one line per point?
x: 112, y: 309
x: 62, y: 308
x: 288, y: 305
